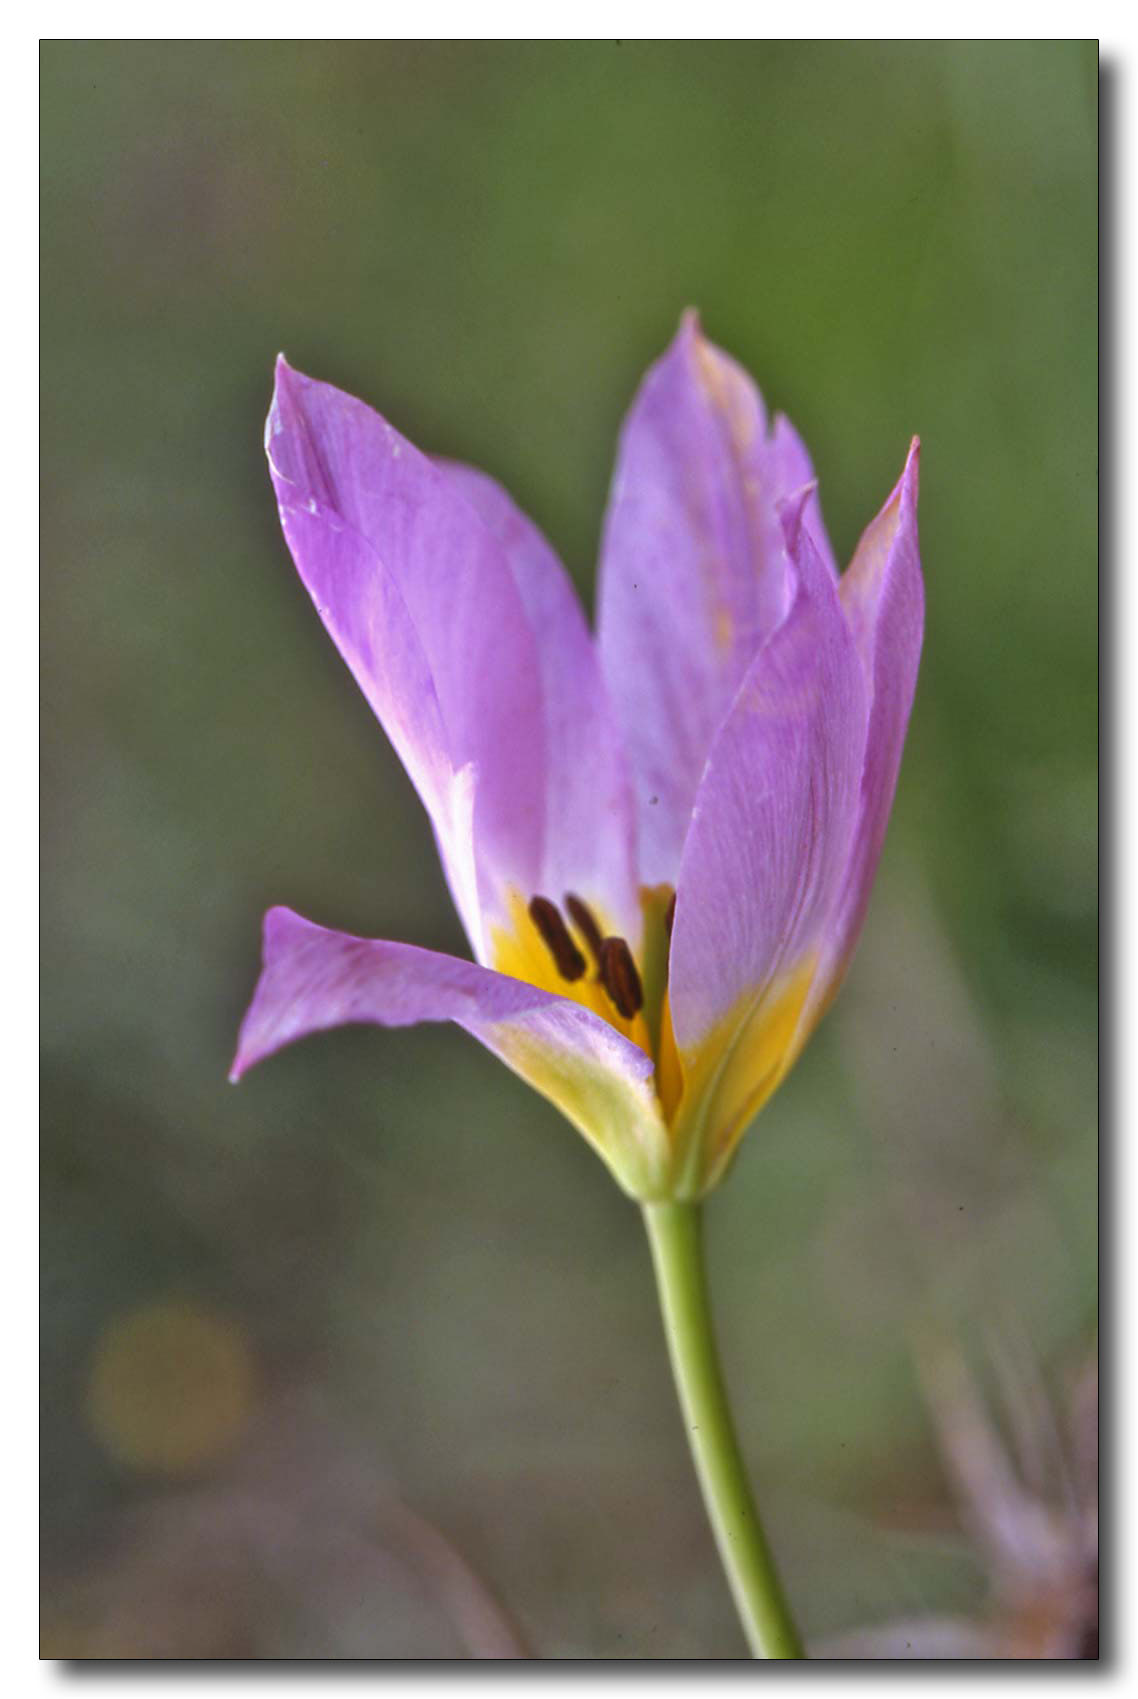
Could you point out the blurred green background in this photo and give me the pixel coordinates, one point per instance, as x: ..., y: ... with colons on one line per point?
x: 382, y: 1273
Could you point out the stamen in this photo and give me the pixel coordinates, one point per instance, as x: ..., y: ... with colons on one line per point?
x: 582, y: 918
x: 546, y: 916
x: 670, y: 917
x: 620, y: 978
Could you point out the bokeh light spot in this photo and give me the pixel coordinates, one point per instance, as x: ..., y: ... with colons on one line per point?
x: 172, y: 1387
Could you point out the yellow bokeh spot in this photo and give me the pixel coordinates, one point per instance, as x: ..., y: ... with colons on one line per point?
x: 172, y: 1387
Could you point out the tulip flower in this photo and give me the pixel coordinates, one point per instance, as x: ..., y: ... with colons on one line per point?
x: 660, y: 841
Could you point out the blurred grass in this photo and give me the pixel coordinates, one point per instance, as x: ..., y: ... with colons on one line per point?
x: 490, y: 241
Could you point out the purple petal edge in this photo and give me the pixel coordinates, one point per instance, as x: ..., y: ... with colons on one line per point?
x: 694, y: 575
x: 775, y: 811
x: 883, y: 599
x: 313, y: 979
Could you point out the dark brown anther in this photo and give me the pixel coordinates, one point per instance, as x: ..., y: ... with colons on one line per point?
x: 620, y: 978
x: 670, y: 917
x: 546, y: 916
x: 582, y: 917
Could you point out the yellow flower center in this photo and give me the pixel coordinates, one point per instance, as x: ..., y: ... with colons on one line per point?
x: 571, y: 951
x: 710, y: 1093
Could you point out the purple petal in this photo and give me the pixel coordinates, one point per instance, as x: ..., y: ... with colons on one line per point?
x: 883, y: 597
x: 362, y: 606
x: 767, y: 851
x: 313, y: 979
x: 694, y: 576
x: 589, y: 835
x: 399, y: 565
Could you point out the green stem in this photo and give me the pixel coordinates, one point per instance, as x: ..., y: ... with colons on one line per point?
x: 677, y: 1254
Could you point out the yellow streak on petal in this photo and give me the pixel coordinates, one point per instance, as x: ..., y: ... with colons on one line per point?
x: 669, y: 1068
x: 728, y: 392
x: 618, y: 1117
x: 732, y: 1072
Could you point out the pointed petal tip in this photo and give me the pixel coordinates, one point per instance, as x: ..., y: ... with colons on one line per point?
x: 912, y: 465
x: 242, y: 1059
x: 283, y: 374
x: 290, y: 386
x: 245, y: 1056
x: 276, y: 921
x: 904, y: 493
x: 792, y: 510
x: 287, y: 419
x: 908, y: 484
x: 683, y: 346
